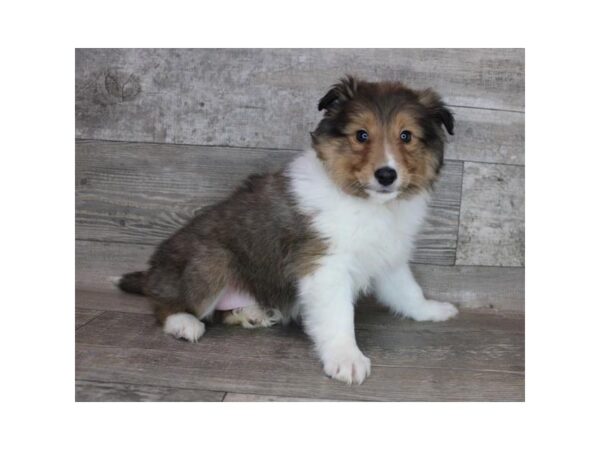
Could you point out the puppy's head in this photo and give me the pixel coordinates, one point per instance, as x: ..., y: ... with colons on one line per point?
x: 381, y: 140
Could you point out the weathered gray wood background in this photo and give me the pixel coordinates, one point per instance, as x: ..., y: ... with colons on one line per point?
x: 162, y: 133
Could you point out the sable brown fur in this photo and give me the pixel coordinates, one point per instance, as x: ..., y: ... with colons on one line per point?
x: 255, y: 240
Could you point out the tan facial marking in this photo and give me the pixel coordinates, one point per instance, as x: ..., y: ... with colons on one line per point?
x: 352, y: 164
x: 416, y: 161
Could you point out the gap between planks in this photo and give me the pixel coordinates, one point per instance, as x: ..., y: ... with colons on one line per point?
x: 246, y: 147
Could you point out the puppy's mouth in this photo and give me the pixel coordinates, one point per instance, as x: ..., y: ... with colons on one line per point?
x: 383, y: 190
x: 394, y: 188
x: 382, y: 194
x: 376, y: 190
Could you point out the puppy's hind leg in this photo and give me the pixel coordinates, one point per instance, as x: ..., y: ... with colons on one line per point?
x: 178, y: 320
x: 204, y: 279
x: 199, y: 285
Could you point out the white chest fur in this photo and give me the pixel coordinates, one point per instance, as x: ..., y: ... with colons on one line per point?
x: 363, y: 235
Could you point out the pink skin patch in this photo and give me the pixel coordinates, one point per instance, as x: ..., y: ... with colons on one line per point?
x: 231, y: 298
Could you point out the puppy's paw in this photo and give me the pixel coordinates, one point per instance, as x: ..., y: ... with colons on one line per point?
x: 347, y: 364
x: 434, y: 311
x: 253, y: 316
x: 184, y: 326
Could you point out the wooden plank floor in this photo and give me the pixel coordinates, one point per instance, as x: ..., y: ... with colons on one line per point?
x: 122, y: 355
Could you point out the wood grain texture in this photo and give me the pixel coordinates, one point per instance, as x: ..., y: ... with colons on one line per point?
x: 142, y: 193
x: 492, y: 218
x: 474, y: 287
x: 487, y: 136
x: 459, y: 361
x: 292, y: 378
x: 388, y: 340
x: 235, y: 397
x: 96, y: 262
x: 268, y: 97
x: 84, y: 315
x: 111, y: 299
x: 434, y: 242
x: 94, y: 391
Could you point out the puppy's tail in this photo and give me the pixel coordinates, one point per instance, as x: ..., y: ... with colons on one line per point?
x: 132, y: 282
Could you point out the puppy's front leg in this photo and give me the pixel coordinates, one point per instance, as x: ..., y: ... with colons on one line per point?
x: 401, y: 293
x: 327, y: 306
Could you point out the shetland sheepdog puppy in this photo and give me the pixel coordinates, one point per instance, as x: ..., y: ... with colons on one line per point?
x: 304, y: 242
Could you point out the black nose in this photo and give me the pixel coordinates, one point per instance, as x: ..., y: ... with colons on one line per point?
x: 386, y: 175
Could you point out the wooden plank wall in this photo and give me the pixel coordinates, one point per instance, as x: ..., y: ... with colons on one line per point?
x: 162, y: 133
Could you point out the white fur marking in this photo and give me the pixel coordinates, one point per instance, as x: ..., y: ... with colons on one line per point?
x: 115, y: 281
x: 391, y: 162
x: 347, y: 364
x: 326, y: 299
x: 184, y: 326
x: 358, y: 233
x: 382, y: 197
x: 356, y: 228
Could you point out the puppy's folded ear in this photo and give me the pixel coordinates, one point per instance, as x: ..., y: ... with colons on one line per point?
x: 437, y: 109
x: 338, y: 94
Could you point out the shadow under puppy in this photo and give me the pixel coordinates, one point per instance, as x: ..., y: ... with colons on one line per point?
x: 304, y: 242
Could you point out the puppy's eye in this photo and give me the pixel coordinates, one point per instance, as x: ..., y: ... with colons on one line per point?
x: 362, y: 136
x: 406, y: 136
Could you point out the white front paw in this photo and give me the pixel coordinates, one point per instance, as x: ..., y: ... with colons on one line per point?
x: 347, y: 364
x: 433, y: 310
x: 184, y: 326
